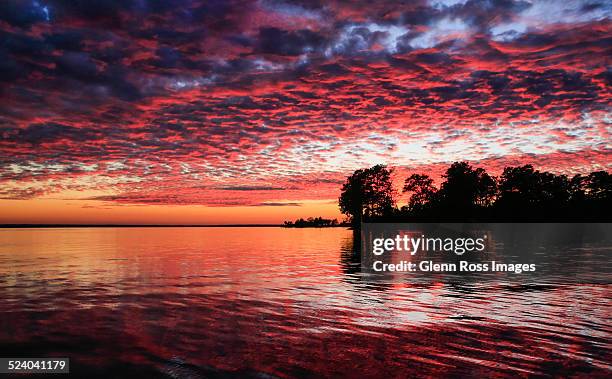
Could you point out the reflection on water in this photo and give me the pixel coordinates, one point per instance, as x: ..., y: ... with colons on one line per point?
x: 261, y: 302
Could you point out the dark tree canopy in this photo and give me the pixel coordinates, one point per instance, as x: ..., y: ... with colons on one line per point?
x: 311, y: 222
x: 470, y: 194
x: 466, y: 187
x: 422, y: 189
x: 368, y: 194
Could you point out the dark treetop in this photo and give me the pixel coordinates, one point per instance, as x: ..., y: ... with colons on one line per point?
x: 468, y: 194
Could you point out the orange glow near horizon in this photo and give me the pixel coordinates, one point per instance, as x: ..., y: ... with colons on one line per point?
x: 51, y: 211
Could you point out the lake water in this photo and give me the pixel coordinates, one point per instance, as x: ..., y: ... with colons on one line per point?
x: 274, y: 302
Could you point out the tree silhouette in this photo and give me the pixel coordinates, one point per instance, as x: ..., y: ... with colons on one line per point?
x: 518, y: 185
x: 422, y: 189
x: 599, y: 186
x: 486, y: 189
x: 576, y: 189
x: 311, y: 222
x: 471, y: 194
x: 525, y: 191
x: 466, y: 188
x: 591, y: 194
x: 367, y: 194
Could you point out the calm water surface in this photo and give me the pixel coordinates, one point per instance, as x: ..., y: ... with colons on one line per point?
x: 273, y: 302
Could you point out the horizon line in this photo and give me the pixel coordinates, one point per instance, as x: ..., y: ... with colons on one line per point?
x: 34, y: 225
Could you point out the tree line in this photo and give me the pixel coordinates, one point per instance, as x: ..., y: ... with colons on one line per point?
x: 312, y: 222
x: 468, y: 194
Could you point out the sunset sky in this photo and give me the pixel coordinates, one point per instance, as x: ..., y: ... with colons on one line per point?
x: 255, y: 111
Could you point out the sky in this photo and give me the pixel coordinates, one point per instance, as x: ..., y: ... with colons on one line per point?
x: 216, y: 112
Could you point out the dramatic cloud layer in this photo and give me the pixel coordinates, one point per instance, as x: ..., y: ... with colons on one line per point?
x: 272, y: 103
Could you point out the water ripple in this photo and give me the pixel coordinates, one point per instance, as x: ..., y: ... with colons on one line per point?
x: 232, y: 302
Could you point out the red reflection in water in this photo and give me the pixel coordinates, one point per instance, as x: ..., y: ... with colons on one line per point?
x: 213, y: 301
